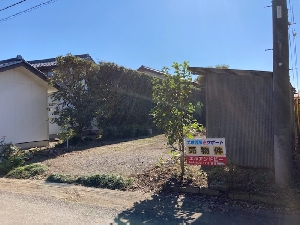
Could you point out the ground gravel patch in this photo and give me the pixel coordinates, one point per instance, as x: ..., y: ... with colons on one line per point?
x: 126, y: 158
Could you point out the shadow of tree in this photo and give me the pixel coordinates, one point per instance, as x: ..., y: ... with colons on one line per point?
x: 182, y: 209
x: 162, y: 209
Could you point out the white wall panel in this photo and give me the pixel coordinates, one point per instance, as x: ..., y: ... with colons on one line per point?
x: 21, y: 78
x: 23, y: 108
x: 39, y: 112
x: 7, y: 109
x: 23, y: 117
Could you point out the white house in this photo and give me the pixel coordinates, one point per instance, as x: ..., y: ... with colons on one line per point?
x: 23, y: 103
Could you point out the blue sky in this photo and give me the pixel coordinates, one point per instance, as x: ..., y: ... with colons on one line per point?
x: 153, y: 33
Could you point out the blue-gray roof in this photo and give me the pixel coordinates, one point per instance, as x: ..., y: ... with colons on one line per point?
x: 9, y: 62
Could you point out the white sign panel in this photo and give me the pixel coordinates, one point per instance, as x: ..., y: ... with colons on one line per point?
x: 279, y: 12
x: 208, y: 151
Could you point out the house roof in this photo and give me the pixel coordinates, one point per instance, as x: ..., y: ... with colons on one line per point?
x: 49, y: 63
x: 19, y: 61
x: 12, y: 63
x: 207, y: 71
x: 151, y: 71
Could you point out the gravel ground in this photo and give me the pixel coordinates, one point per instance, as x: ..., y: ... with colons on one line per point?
x: 125, y: 158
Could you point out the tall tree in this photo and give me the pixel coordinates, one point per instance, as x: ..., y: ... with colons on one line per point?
x: 173, y: 110
x: 74, y: 103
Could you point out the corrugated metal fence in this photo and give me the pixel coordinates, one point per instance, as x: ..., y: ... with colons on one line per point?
x: 239, y: 108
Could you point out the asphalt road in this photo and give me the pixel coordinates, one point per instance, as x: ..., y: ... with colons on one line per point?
x: 36, y: 202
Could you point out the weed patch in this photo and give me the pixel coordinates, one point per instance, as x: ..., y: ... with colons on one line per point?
x: 61, y: 178
x: 110, y: 181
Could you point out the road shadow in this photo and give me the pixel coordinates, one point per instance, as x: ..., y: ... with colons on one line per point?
x: 161, y: 209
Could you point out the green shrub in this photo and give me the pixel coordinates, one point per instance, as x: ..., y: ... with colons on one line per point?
x: 27, y: 171
x: 98, y: 180
x: 60, y: 178
x: 10, y: 156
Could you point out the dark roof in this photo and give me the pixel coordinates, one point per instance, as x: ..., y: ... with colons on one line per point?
x: 207, y: 71
x: 19, y: 61
x: 150, y: 70
x: 49, y: 63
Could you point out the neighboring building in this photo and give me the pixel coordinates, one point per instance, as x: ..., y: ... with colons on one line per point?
x: 151, y: 72
x: 23, y: 103
x: 47, y: 66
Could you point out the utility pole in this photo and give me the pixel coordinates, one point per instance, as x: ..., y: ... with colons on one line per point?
x: 281, y: 95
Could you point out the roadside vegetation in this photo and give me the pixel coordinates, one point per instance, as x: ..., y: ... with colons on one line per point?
x: 109, y: 181
x: 11, y: 156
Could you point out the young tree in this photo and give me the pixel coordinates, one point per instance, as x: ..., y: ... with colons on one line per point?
x: 74, y: 103
x: 173, y: 110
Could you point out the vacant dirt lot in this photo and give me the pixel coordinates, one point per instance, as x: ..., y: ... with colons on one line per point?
x: 125, y: 158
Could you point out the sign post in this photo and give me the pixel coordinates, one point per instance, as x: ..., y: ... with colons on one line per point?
x: 206, y: 152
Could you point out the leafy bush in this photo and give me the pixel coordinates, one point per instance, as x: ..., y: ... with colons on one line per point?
x: 99, y: 180
x: 27, y: 171
x: 10, y: 156
x: 105, y: 181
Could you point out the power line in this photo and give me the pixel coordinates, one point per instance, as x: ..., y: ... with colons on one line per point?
x: 12, y: 5
x: 28, y: 10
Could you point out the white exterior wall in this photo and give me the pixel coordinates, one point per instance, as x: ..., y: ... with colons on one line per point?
x: 23, y: 107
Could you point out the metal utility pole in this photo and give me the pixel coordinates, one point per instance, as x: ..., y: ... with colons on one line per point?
x: 281, y: 95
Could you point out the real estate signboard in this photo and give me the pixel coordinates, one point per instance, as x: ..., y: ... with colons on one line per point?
x: 208, y: 151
